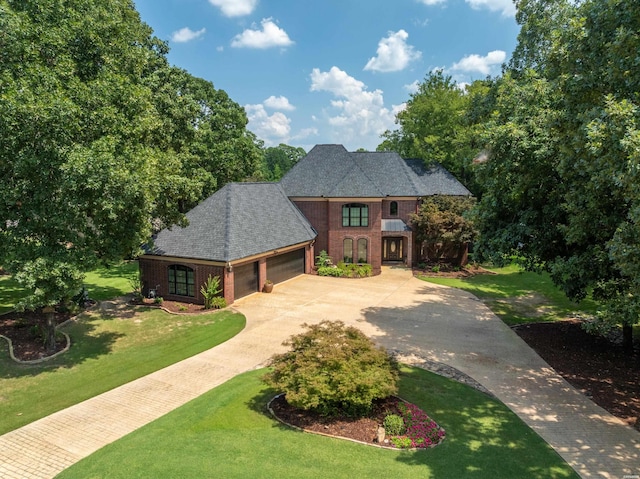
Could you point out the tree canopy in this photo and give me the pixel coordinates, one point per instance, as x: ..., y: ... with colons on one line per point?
x: 561, y: 173
x: 98, y: 136
x: 434, y: 126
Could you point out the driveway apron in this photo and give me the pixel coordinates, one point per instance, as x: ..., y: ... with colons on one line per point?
x: 418, y: 320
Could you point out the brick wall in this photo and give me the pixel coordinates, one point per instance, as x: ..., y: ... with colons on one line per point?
x: 405, y: 209
x: 316, y: 213
x: 337, y: 234
x: 154, y: 273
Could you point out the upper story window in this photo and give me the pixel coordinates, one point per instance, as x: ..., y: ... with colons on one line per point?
x: 181, y: 280
x: 355, y: 214
x: 393, y: 208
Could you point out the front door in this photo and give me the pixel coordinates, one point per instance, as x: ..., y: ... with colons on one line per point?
x: 392, y: 249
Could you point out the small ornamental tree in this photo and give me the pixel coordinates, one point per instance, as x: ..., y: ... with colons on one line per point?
x: 441, y: 224
x: 333, y: 369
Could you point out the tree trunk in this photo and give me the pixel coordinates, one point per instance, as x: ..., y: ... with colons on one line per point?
x: 627, y: 337
x: 51, y: 330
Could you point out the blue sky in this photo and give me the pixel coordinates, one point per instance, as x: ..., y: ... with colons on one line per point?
x: 330, y: 71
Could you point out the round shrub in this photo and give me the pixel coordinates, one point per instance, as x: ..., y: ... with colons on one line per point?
x: 333, y: 369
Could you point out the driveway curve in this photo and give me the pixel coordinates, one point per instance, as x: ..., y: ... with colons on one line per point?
x: 421, y: 321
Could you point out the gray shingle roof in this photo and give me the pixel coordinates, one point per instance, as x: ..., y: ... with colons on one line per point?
x: 330, y: 171
x: 239, y: 220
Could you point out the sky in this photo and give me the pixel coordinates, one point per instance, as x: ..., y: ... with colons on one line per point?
x: 310, y: 72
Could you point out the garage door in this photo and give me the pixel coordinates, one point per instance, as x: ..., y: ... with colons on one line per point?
x: 285, y: 266
x: 245, y: 279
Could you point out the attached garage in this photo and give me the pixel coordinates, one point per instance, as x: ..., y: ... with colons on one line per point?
x: 285, y: 266
x: 245, y: 279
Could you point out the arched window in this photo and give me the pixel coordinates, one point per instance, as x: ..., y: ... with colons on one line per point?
x: 362, y: 250
x: 181, y: 280
x: 355, y: 214
x: 347, y: 250
x: 393, y: 208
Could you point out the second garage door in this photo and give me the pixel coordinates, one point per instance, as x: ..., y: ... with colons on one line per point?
x: 285, y: 266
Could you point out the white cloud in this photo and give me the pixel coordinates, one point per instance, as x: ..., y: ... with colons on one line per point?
x: 476, y: 63
x: 279, y: 103
x: 393, y: 53
x: 270, y: 36
x: 273, y: 129
x: 235, y: 8
x: 432, y: 2
x: 186, y: 35
x: 506, y: 7
x: 412, y: 87
x: 361, y: 114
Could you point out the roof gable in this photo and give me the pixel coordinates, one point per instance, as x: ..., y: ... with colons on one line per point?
x: 239, y: 220
x: 330, y: 171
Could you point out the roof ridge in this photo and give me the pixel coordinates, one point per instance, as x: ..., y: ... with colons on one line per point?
x: 411, y: 175
x: 382, y: 193
x: 227, y: 218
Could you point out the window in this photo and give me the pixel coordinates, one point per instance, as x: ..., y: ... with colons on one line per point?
x: 181, y: 280
x: 362, y: 250
x: 355, y: 215
x: 393, y: 208
x: 347, y: 250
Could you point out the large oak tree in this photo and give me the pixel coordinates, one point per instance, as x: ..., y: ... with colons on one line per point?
x: 98, y: 136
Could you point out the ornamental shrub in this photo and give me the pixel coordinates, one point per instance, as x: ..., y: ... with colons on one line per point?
x: 333, y: 369
x: 210, y: 290
x: 394, y: 425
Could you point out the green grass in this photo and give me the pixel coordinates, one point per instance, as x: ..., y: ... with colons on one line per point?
x: 107, y: 351
x: 227, y: 433
x: 107, y: 283
x: 519, y: 296
x: 102, y: 283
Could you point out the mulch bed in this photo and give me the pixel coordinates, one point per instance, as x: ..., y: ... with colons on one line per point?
x: 24, y: 330
x: 360, y: 429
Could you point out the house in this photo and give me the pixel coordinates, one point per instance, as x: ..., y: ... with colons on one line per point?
x: 354, y: 205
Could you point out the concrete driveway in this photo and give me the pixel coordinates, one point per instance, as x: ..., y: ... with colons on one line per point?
x: 420, y: 320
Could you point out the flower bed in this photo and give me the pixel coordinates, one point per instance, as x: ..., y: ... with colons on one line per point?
x: 420, y: 431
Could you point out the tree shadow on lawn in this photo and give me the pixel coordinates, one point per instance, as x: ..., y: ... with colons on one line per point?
x: 84, y: 346
x: 483, y: 437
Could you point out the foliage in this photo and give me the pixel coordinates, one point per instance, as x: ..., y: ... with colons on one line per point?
x: 349, y: 270
x: 219, y: 303
x: 137, y: 285
x: 331, y: 271
x: 442, y: 224
x: 394, y: 425
x: 421, y: 430
x: 323, y: 259
x: 278, y: 160
x: 434, y: 126
x: 332, y: 368
x: 209, y: 290
x: 98, y: 136
x: 564, y: 153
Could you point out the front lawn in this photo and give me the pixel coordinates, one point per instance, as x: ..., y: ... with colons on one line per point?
x: 519, y: 296
x: 102, y: 283
x: 107, y: 351
x: 227, y: 433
